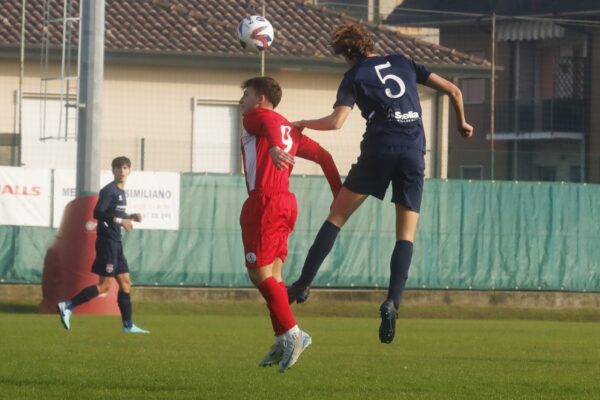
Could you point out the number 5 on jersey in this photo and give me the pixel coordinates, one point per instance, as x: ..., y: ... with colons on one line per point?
x: 393, y: 77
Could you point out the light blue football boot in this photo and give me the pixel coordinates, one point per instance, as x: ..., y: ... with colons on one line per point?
x: 65, y: 314
x: 273, y: 356
x: 134, y: 329
x: 292, y: 348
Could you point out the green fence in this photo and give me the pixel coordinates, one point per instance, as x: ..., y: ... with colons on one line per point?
x: 472, y: 235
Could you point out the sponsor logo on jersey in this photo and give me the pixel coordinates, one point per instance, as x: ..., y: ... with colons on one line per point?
x: 251, y: 257
x: 399, y: 116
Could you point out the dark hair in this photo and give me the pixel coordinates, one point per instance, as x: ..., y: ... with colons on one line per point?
x: 352, y: 41
x: 120, y: 161
x: 266, y: 86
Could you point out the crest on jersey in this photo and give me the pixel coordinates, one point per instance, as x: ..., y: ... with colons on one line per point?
x: 251, y: 257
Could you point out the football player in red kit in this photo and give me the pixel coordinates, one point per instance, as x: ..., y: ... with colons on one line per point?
x: 269, y: 214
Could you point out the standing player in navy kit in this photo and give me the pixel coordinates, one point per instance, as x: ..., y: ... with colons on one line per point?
x: 392, y: 150
x: 110, y: 261
x: 269, y: 214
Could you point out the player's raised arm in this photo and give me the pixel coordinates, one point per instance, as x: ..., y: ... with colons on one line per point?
x: 331, y: 122
x: 311, y: 150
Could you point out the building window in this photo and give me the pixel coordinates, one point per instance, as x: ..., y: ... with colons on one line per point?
x: 474, y: 172
x: 215, y: 137
x: 546, y: 174
x: 473, y: 90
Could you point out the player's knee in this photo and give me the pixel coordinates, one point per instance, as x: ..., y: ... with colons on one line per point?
x: 337, y: 219
x: 257, y: 276
x: 104, y: 287
x: 405, y: 236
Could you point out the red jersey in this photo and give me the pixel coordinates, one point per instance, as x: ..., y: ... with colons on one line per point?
x: 263, y: 129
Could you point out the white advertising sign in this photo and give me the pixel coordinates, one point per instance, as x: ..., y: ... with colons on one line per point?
x: 155, y: 195
x: 25, y: 196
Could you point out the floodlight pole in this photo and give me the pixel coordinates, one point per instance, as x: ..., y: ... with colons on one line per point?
x: 91, y: 65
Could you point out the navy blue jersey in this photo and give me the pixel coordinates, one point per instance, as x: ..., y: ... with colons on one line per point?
x: 111, y: 203
x: 385, y: 90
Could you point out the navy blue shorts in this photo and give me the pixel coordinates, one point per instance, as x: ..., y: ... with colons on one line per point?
x: 403, y: 166
x: 110, y: 260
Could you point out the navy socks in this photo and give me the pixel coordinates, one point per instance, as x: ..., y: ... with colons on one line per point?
x: 84, y: 296
x: 316, y: 255
x: 124, y: 301
x: 399, y: 265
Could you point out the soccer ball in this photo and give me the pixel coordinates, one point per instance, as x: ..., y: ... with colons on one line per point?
x: 255, y: 33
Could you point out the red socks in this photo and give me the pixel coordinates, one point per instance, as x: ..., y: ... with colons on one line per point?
x: 275, y: 293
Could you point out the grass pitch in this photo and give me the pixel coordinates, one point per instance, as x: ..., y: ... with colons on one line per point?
x: 210, y: 351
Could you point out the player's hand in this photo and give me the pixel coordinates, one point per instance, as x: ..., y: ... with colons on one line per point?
x: 136, y: 217
x: 298, y: 126
x: 281, y: 159
x: 127, y: 224
x: 465, y: 130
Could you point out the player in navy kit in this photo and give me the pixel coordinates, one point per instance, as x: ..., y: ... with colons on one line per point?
x: 110, y: 261
x: 392, y: 150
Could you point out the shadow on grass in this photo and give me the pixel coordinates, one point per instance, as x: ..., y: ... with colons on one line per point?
x: 18, y: 308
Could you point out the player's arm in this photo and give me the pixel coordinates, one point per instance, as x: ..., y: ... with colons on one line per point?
x: 331, y: 122
x: 440, y: 84
x: 137, y: 217
x: 104, y: 214
x: 311, y: 150
x: 101, y: 211
x: 344, y: 101
x: 281, y: 159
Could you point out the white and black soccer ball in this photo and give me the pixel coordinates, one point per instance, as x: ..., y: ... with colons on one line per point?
x: 255, y: 33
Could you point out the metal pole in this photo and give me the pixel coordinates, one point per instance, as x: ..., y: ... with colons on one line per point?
x: 21, y: 77
x: 516, y: 105
x: 262, y: 53
x: 91, y: 65
x: 493, y: 91
x: 143, y: 155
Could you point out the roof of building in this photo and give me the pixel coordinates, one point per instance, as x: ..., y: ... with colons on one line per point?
x: 460, y: 12
x: 208, y: 28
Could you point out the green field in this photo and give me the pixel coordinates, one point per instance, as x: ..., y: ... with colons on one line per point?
x: 209, y: 351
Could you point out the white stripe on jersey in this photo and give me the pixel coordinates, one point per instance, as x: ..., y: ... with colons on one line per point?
x: 249, y: 148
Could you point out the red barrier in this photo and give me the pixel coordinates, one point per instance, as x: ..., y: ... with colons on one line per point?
x: 68, y: 262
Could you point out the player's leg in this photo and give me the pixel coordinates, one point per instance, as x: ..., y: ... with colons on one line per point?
x: 124, y: 298
x: 290, y: 341
x: 407, y: 189
x: 406, y: 228
x: 346, y: 202
x: 65, y: 308
x: 282, y: 318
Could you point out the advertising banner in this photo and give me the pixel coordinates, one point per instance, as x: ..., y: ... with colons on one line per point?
x: 25, y: 196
